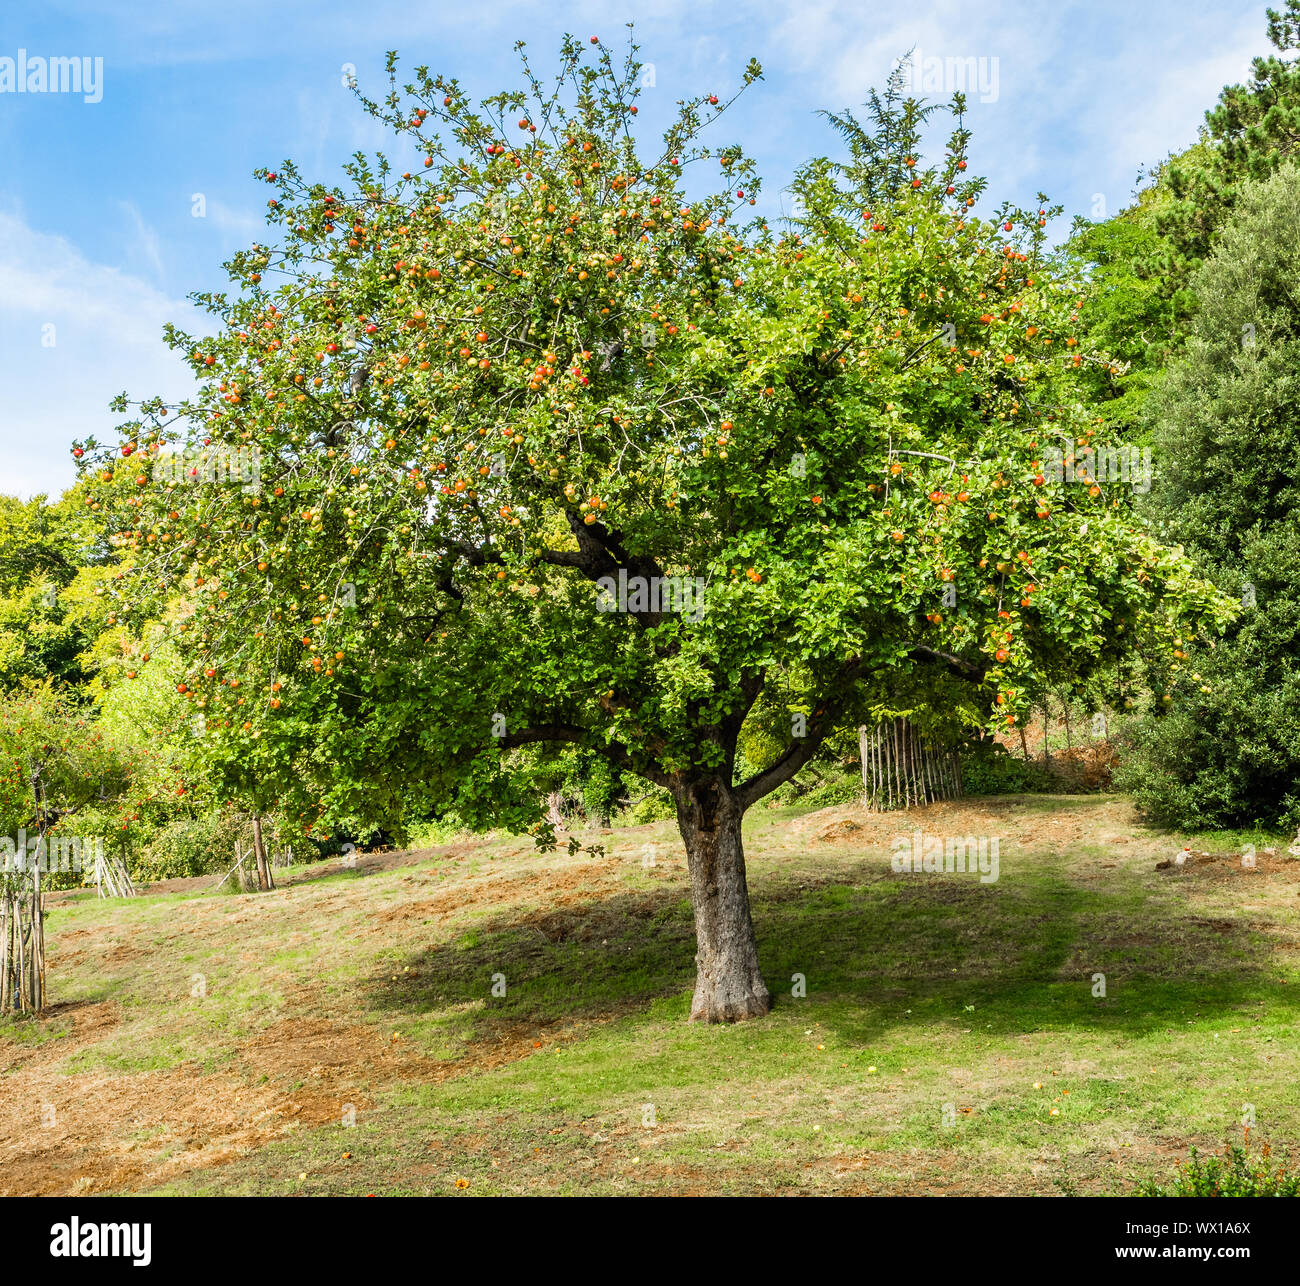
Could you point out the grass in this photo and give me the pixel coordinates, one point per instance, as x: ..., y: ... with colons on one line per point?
x: 481, y: 1013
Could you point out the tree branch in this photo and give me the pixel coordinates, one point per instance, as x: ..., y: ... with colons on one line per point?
x: 543, y: 732
x: 973, y: 671
x: 572, y: 733
x: 796, y: 755
x: 801, y: 751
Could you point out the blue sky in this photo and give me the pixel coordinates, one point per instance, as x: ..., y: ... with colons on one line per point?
x: 99, y: 245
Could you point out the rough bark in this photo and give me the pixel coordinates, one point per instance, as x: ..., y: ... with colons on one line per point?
x: 728, y: 984
x: 7, y: 911
x: 38, y: 901
x: 38, y: 939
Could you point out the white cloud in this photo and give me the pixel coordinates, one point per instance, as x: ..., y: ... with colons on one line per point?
x: 145, y: 245
x: 1082, y: 103
x: 850, y: 53
x: 107, y: 337
x: 233, y: 223
x: 1168, y: 114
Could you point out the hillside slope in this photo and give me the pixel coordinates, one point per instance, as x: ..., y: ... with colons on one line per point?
x: 340, y: 1035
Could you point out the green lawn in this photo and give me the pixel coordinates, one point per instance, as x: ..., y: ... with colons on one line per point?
x: 951, y: 1039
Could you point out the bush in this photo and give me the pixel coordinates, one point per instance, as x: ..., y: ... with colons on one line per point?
x: 434, y: 832
x: 1233, y: 1173
x: 1225, y: 759
x: 1228, y: 752
x: 839, y: 785
x: 657, y: 806
x: 834, y: 791
x: 194, y: 846
x: 987, y: 768
x: 840, y: 788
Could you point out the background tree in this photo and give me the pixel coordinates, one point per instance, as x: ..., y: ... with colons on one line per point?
x: 1140, y: 263
x: 1139, y: 306
x: 55, y: 767
x: 1252, y: 131
x: 504, y: 401
x: 1228, y: 436
x: 39, y: 558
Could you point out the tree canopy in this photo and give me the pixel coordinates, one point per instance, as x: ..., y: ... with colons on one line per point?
x: 546, y: 442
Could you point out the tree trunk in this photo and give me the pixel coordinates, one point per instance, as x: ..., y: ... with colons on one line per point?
x: 259, y: 852
x: 6, y: 935
x: 554, y: 814
x: 38, y: 899
x: 728, y: 984
x: 38, y: 939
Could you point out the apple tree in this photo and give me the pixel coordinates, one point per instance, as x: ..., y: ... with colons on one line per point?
x: 547, y: 442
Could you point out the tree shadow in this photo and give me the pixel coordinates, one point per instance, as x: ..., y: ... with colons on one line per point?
x: 1046, y: 953
x: 593, y: 960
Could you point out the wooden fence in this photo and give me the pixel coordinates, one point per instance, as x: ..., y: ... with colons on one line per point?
x: 903, y: 769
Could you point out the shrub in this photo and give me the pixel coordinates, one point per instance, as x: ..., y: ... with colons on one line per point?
x: 988, y: 769
x: 433, y: 832
x: 1232, y: 1173
x: 194, y: 846
x: 1226, y: 426
x: 656, y: 806
x: 830, y: 791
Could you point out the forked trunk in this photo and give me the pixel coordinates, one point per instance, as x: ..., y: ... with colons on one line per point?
x: 264, y: 880
x: 728, y: 985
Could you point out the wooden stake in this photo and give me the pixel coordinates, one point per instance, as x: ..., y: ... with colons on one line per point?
x: 6, y: 925
x: 241, y: 860
x: 38, y: 939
